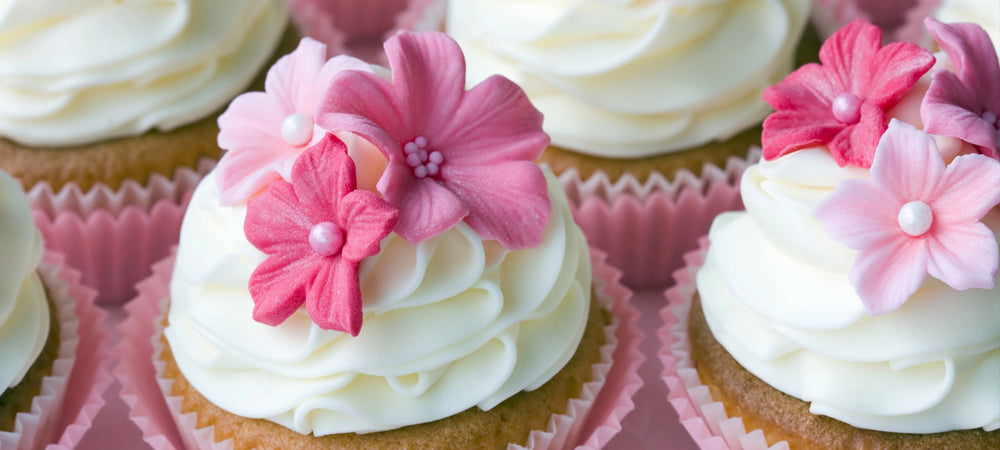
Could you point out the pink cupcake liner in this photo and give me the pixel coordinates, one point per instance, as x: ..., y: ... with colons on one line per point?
x: 114, y: 236
x: 590, y: 420
x: 71, y: 397
x: 359, y: 27
x: 900, y: 20
x: 703, y: 418
x: 646, y: 227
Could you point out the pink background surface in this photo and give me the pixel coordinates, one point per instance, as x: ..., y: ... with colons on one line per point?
x: 652, y: 425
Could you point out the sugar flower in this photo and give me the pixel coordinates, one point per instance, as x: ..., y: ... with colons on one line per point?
x: 315, y: 230
x: 842, y: 103
x: 263, y: 132
x: 965, y: 104
x: 915, y: 217
x: 453, y: 154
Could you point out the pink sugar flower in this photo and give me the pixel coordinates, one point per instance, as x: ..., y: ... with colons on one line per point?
x: 965, y: 104
x: 842, y: 103
x: 315, y: 231
x: 263, y: 132
x: 453, y: 154
x: 915, y: 217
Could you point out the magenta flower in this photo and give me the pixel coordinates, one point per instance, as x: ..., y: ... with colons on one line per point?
x: 915, y: 217
x: 265, y: 131
x: 965, y: 104
x: 315, y: 230
x: 842, y: 103
x: 453, y: 154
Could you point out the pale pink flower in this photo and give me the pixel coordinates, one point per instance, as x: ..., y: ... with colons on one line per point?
x: 915, y: 217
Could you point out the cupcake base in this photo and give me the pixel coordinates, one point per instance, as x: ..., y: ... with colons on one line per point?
x: 510, y: 421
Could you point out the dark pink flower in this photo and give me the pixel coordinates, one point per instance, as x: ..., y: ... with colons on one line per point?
x: 915, y: 217
x: 453, y: 154
x: 965, y: 104
x: 842, y: 103
x: 315, y: 230
x: 263, y: 132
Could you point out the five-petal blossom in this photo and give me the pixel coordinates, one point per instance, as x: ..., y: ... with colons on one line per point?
x: 453, y: 154
x: 263, y: 132
x: 315, y: 230
x: 965, y: 104
x: 843, y: 102
x: 915, y: 217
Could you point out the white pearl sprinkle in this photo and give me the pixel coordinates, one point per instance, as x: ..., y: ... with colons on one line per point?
x: 432, y: 169
x: 915, y: 218
x: 410, y: 148
x: 297, y: 129
x: 420, y: 171
x: 435, y: 157
x: 413, y: 160
x: 421, y: 141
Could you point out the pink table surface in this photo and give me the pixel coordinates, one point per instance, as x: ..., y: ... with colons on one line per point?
x: 652, y: 425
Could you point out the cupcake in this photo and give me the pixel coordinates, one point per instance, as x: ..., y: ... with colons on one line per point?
x: 39, y: 332
x: 854, y: 303
x: 638, y: 87
x: 115, y: 99
x: 412, y: 280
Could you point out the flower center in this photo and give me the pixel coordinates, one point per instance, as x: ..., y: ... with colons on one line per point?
x: 326, y: 238
x: 297, y: 129
x: 847, y: 108
x: 915, y: 218
x: 424, y: 163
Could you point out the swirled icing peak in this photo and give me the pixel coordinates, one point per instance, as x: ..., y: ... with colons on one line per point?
x: 627, y: 79
x: 76, y: 72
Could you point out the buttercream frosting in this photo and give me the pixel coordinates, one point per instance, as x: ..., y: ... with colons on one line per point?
x: 628, y: 79
x: 450, y: 323
x: 76, y: 72
x: 24, y: 311
x: 776, y: 295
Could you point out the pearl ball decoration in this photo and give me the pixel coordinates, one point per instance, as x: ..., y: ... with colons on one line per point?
x: 326, y: 238
x: 915, y: 218
x: 847, y: 108
x: 297, y: 129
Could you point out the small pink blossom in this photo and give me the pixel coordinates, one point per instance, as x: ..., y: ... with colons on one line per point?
x: 965, y: 104
x: 315, y: 230
x: 453, y: 154
x: 263, y: 132
x: 915, y: 217
x: 843, y: 102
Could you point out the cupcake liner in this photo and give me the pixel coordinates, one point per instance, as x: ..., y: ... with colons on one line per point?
x: 590, y: 420
x: 359, y: 27
x: 646, y: 227
x: 73, y: 394
x: 704, y: 419
x: 113, y: 236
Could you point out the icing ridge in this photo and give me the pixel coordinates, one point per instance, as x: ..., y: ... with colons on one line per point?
x: 612, y: 78
x: 141, y: 65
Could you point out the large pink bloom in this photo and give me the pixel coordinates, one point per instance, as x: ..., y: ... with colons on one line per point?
x: 452, y: 153
x: 915, y: 217
x: 842, y: 103
x: 265, y: 131
x: 315, y: 230
x: 965, y: 104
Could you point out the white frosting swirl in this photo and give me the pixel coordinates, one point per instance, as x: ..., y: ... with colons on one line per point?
x: 80, y: 71
x: 24, y: 311
x: 450, y: 323
x: 776, y: 295
x: 627, y: 79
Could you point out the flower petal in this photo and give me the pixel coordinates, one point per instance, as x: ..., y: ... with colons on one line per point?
x: 950, y: 108
x: 495, y: 123
x: 274, y: 219
x: 908, y: 163
x: 847, y: 55
x: 291, y: 80
x: 885, y: 275
x: 791, y: 130
x: 963, y: 255
x: 864, y: 138
x: 368, y: 219
x: 507, y: 202
x: 859, y: 214
x: 278, y: 286
x: 323, y: 175
x: 971, y: 52
x: 894, y: 69
x: 970, y: 188
x: 364, y: 104
x: 425, y: 207
x: 333, y: 299
x: 428, y: 76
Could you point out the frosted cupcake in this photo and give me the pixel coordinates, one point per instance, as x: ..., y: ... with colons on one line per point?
x: 455, y: 307
x: 854, y: 303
